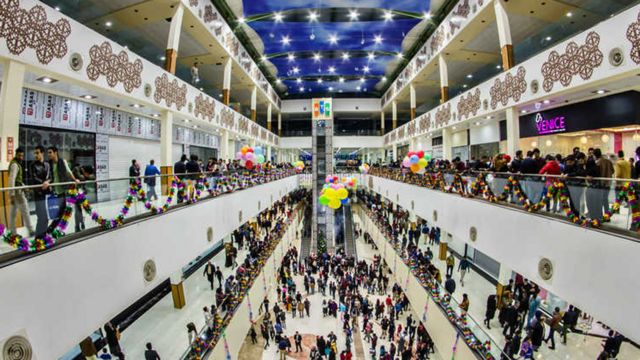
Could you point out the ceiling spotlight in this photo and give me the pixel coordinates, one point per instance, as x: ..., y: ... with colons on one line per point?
x: 313, y: 16
x: 332, y: 69
x: 186, y: 121
x: 155, y: 115
x: 464, y: 86
x: 489, y: 117
x: 264, y: 58
x: 57, y: 8
x: 319, y: 81
x: 358, y: 88
x: 345, y: 56
x: 137, y: 106
x: 341, y: 80
x: 46, y: 80
x: 477, y: 123
x: 295, y: 70
x: 241, y: 20
x: 426, y: 15
x: 377, y: 39
x: 277, y: 17
x: 388, y: 16
x: 384, y: 78
x: 353, y: 15
x: 108, y: 24
x: 278, y: 81
x: 317, y: 57
x: 546, y: 102
x: 469, y: 76
x: 498, y: 66
x: 365, y: 69
x: 523, y: 111
x: 298, y: 80
x: 89, y: 97
x: 285, y: 40
x: 291, y: 57
x: 340, y: 91
x: 601, y: 91
x: 333, y: 39
x: 362, y: 80
x: 301, y: 89
x: 163, y: 58
x: 548, y: 38
x: 371, y: 56
x: 399, y: 55
x: 455, y: 127
x: 569, y: 14
x: 330, y: 88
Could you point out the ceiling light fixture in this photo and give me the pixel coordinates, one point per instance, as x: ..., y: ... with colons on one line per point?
x: 345, y: 56
x: 358, y: 88
x: 333, y: 39
x: 241, y: 20
x: 301, y: 88
x: 155, y: 115
x: 569, y: 14
x: 371, y: 56
x: 317, y: 57
x: 291, y: 57
x: 46, y: 80
x: 89, y: 97
x: 108, y: 24
x: 332, y: 69
x: 470, y: 76
x: 399, y: 55
x: 353, y: 15
x: 330, y: 88
x: 264, y: 58
x: 426, y: 15
x: 298, y: 80
x: 278, y: 17
x: 285, y: 40
x: 523, y: 111
x: 163, y: 58
x: 388, y: 15
x: 137, y: 106
x: 362, y: 80
x: 341, y: 80
x: 548, y: 38
x: 498, y: 66
x: 295, y: 69
x: 464, y: 86
x: 313, y: 16
x: 384, y: 78
x: 377, y: 39
x: 57, y: 8
x: 546, y: 102
x: 365, y: 69
x: 601, y: 91
x: 319, y: 81
x: 278, y: 81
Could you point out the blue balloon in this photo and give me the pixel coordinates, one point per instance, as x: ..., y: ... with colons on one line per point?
x: 414, y: 159
x: 344, y: 201
x: 257, y: 150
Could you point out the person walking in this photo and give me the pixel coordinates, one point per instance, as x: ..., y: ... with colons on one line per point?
x: 463, y: 268
x: 134, y: 170
x: 450, y: 285
x: 282, y: 347
x: 450, y: 263
x: 464, y: 305
x: 60, y: 173
x: 150, y: 173
x: 151, y: 354
x: 553, y: 326
x: 254, y: 335
x: 209, y: 272
x: 40, y: 172
x: 17, y: 197
x: 265, y: 335
x: 492, y: 304
x: 297, y: 338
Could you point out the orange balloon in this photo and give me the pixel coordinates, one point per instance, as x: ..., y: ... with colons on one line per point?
x: 415, y: 168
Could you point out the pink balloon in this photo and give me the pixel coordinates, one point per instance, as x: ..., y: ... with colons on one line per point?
x: 249, y: 156
x: 239, y: 155
x: 406, y: 162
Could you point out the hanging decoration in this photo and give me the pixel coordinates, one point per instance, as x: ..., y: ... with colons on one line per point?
x: 416, y: 161
x: 298, y: 165
x: 334, y: 193
x: 250, y: 157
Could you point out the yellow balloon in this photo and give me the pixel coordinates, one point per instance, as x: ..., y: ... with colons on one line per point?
x: 330, y: 193
x: 342, y: 193
x: 244, y: 149
x: 334, y: 203
x: 422, y: 162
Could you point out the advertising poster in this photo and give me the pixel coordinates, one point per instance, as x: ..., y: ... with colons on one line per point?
x: 102, y: 166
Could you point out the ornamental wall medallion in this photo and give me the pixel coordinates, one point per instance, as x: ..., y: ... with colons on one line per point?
x: 204, y: 108
x: 30, y: 29
x: 209, y: 14
x: 17, y: 348
x: 545, y: 269
x: 443, y: 115
x: 149, y: 270
x: 171, y: 92
x: 425, y: 122
x: 616, y: 57
x: 633, y: 34
x: 463, y: 9
x: 469, y: 105
x: 577, y: 60
x: 513, y: 87
x: 75, y: 62
x: 116, y: 68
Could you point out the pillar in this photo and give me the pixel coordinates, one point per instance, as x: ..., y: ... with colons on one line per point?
x: 226, y: 82
x: 177, y: 291
x: 412, y: 96
x: 504, y: 35
x: 174, y: 40
x: 382, y: 122
x: 224, y: 145
x: 444, y: 79
x: 394, y: 114
x: 269, y: 117
x: 268, y: 153
x: 446, y: 143
x: 166, y: 151
x: 254, y: 98
x: 279, y: 124
x: 10, y: 107
x: 443, y: 248
x: 503, y: 283
x: 513, y: 130
x: 395, y: 152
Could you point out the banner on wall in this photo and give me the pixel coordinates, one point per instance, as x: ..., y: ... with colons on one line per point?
x: 322, y: 109
x: 102, y: 167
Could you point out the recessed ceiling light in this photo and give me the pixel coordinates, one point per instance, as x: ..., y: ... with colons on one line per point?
x: 155, y: 115
x: 195, y: 126
x: 298, y: 80
x: 319, y: 81
x: 399, y: 55
x: 371, y: 56
x: 291, y: 57
x: 264, y: 58
x: 333, y: 39
x: 362, y: 79
x: 365, y: 69
x: 569, y: 14
x: 278, y: 81
x: 523, y: 111
x: 377, y: 39
x: 301, y: 89
x: 548, y: 38
x: 332, y: 69
x: 201, y: 89
x: 546, y: 102
x: 454, y: 127
x: 477, y: 123
x: 345, y: 56
x: 353, y: 15
x: 464, y: 86
x: 384, y: 78
x: 470, y: 76
x: 295, y: 69
x: 340, y: 91
x: 285, y: 40
x: 358, y: 88
x: 278, y: 17
x: 498, y: 66
x: 388, y: 15
x: 341, y: 80
x: 46, y: 80
x: 601, y: 91
x: 219, y: 95
x: 57, y: 8
x: 163, y: 58
x: 313, y: 16
x: 89, y: 97
x: 186, y: 120
x: 426, y: 15
x: 330, y: 88
x: 108, y: 24
x: 241, y: 20
x: 489, y: 117
x: 317, y: 57
x: 137, y: 106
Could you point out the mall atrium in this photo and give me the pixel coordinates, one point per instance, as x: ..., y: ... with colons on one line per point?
x: 319, y: 179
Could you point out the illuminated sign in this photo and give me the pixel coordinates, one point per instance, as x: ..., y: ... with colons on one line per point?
x: 550, y: 126
x: 322, y: 109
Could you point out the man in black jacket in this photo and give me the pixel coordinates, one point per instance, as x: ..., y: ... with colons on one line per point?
x: 40, y: 175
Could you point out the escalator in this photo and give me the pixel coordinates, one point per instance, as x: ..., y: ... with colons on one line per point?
x: 348, y: 232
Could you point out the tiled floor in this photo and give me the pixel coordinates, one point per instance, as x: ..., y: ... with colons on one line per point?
x: 479, y: 288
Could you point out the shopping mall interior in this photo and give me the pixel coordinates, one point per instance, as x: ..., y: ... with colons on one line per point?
x: 319, y: 179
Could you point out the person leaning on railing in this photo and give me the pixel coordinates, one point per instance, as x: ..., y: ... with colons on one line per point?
x: 17, y: 197
x: 40, y: 171
x: 60, y: 173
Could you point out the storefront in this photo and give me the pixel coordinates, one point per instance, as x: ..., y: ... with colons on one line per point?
x: 610, y: 123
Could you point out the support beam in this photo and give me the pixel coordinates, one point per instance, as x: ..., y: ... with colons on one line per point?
x: 10, y: 103
x: 279, y: 124
x: 166, y: 150
x: 395, y: 152
x: 412, y: 96
x: 513, y: 130
x: 394, y: 114
x: 504, y: 35
x: 446, y: 143
x: 444, y: 79
x: 254, y: 100
x: 224, y: 145
x: 173, y: 43
x: 269, y: 117
x: 226, y: 82
x: 382, y: 122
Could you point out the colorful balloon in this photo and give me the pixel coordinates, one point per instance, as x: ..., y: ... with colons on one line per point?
x: 334, y: 203
x: 414, y: 168
x: 414, y: 159
x: 342, y: 193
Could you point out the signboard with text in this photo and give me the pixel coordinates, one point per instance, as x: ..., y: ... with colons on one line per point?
x: 321, y: 109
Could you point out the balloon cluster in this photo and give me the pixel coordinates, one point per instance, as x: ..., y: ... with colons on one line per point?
x: 335, y: 193
x: 250, y: 157
x: 364, y: 168
x: 298, y: 165
x: 416, y: 161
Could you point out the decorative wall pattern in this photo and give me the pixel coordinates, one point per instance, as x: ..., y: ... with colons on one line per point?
x: 204, y: 107
x: 469, y: 104
x: 116, y: 68
x: 243, y: 125
x: 425, y: 122
x: 411, y: 128
x: 513, y: 87
x: 443, y: 115
x: 170, y: 92
x: 24, y: 29
x: 577, y: 60
x: 633, y: 35
x: 227, y: 118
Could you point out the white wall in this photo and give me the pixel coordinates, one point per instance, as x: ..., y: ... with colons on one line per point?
x: 593, y: 270
x: 339, y: 105
x: 61, y: 296
x: 371, y: 142
x: 459, y: 138
x: 483, y: 134
x: 295, y: 142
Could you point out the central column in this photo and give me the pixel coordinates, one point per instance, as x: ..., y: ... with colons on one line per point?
x: 444, y: 80
x: 322, y: 165
x: 226, y: 82
x: 412, y: 98
x: 269, y: 117
x: 173, y: 43
x: 166, y: 150
x: 394, y: 114
x: 254, y: 98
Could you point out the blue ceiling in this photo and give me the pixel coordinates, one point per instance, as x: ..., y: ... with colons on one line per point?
x: 352, y: 40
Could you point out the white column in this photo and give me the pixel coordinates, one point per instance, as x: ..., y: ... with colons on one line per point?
x: 395, y: 152
x: 226, y: 81
x: 394, y: 114
x: 224, y: 145
x: 279, y: 124
x: 254, y: 100
x: 382, y: 122
x: 166, y: 139
x: 10, y: 103
x: 173, y: 41
x: 268, y: 153
x: 504, y: 35
x: 513, y: 130
x: 269, y: 117
x: 446, y: 143
x: 444, y: 79
x: 412, y: 100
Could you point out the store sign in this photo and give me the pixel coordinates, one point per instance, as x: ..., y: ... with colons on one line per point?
x: 322, y: 109
x: 550, y: 126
